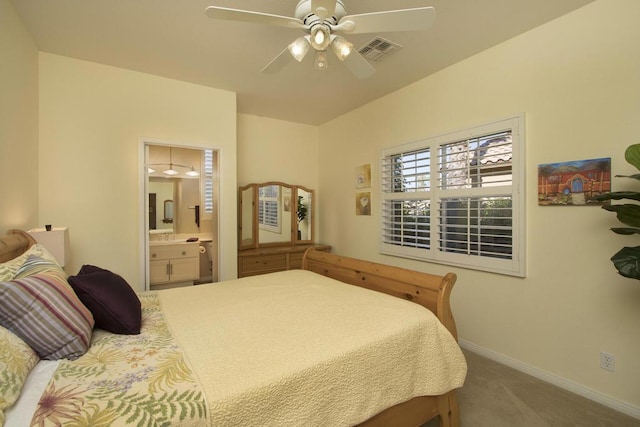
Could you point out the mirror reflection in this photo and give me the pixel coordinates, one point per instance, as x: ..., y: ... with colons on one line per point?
x: 303, y: 203
x: 274, y: 213
x: 247, y: 232
x: 168, y: 211
x: 160, y: 190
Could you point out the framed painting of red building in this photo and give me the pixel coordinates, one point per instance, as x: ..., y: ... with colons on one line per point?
x: 574, y: 183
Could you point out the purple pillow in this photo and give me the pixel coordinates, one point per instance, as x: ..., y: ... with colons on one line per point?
x: 114, y: 305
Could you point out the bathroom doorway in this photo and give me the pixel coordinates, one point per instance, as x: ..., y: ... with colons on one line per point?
x: 181, y: 193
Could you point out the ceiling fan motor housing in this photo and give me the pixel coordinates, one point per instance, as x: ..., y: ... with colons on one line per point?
x: 305, y: 13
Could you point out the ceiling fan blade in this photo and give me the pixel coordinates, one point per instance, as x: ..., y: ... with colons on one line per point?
x: 215, y: 12
x: 359, y: 66
x: 279, y: 62
x: 323, y: 8
x: 417, y: 19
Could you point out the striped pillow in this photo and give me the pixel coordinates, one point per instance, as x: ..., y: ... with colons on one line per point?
x: 8, y: 269
x: 41, y: 308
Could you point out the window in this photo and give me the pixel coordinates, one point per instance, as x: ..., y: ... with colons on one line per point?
x: 208, y: 181
x: 458, y: 198
x: 268, y: 202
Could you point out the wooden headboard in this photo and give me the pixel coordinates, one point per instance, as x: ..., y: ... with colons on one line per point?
x: 14, y: 244
x: 428, y: 290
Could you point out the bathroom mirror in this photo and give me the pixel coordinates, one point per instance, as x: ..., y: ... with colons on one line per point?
x: 274, y: 214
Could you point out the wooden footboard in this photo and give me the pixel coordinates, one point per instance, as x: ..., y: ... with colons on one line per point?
x: 428, y: 290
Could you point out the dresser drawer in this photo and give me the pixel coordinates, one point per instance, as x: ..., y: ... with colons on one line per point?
x: 263, y: 263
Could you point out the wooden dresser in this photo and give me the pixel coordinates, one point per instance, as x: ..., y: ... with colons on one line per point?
x: 270, y: 259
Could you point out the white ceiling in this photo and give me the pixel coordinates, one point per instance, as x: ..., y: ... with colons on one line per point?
x: 174, y: 38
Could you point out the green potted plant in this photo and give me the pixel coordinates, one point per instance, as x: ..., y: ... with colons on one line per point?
x: 302, y: 210
x: 302, y: 214
x: 627, y: 260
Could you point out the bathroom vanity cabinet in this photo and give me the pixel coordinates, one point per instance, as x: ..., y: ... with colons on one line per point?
x: 173, y: 263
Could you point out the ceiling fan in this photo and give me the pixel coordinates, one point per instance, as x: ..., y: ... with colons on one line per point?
x: 321, y: 20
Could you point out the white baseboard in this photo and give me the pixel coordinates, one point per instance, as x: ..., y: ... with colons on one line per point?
x: 596, y: 396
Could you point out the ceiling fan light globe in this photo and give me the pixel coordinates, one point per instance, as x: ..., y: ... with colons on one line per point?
x: 192, y: 172
x: 299, y: 48
x: 171, y: 171
x: 342, y: 47
x: 321, y: 62
x: 320, y: 37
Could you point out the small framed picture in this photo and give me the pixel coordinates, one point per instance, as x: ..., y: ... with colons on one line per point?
x: 363, y: 203
x: 363, y: 176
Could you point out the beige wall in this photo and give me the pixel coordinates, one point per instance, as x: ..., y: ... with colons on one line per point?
x: 277, y: 150
x: 92, y: 119
x: 577, y: 79
x: 18, y: 123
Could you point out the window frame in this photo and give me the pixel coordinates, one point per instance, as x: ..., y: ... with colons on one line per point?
x: 434, y: 195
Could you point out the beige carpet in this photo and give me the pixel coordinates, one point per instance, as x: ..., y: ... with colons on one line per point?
x: 495, y: 395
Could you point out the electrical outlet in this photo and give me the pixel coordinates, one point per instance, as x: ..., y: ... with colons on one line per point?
x: 607, y: 361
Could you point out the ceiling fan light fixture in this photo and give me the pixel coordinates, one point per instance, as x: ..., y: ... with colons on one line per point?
x: 341, y: 47
x: 299, y: 48
x: 150, y: 170
x: 320, y: 37
x: 321, y: 62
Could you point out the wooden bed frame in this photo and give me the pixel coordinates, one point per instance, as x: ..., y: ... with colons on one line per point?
x: 428, y: 290
x: 14, y: 244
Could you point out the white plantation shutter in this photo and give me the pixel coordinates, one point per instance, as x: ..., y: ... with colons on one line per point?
x: 268, y: 202
x: 208, y: 181
x: 457, y: 199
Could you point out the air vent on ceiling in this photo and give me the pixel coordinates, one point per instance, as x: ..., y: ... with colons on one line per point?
x: 378, y: 49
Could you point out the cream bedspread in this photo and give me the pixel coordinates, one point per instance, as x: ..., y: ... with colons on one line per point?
x: 296, y: 348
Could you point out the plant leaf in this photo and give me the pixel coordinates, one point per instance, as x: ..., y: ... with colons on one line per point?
x: 619, y: 195
x: 634, y: 176
x: 627, y: 262
x: 627, y: 213
x: 626, y: 230
x: 632, y: 155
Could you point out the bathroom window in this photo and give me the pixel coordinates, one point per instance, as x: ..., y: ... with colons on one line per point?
x: 207, y: 181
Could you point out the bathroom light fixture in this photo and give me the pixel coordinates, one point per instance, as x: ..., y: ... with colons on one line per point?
x: 172, y: 171
x: 192, y: 172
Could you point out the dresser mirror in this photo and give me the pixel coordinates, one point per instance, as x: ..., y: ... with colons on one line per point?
x: 274, y: 214
x: 304, y: 200
x: 247, y: 220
